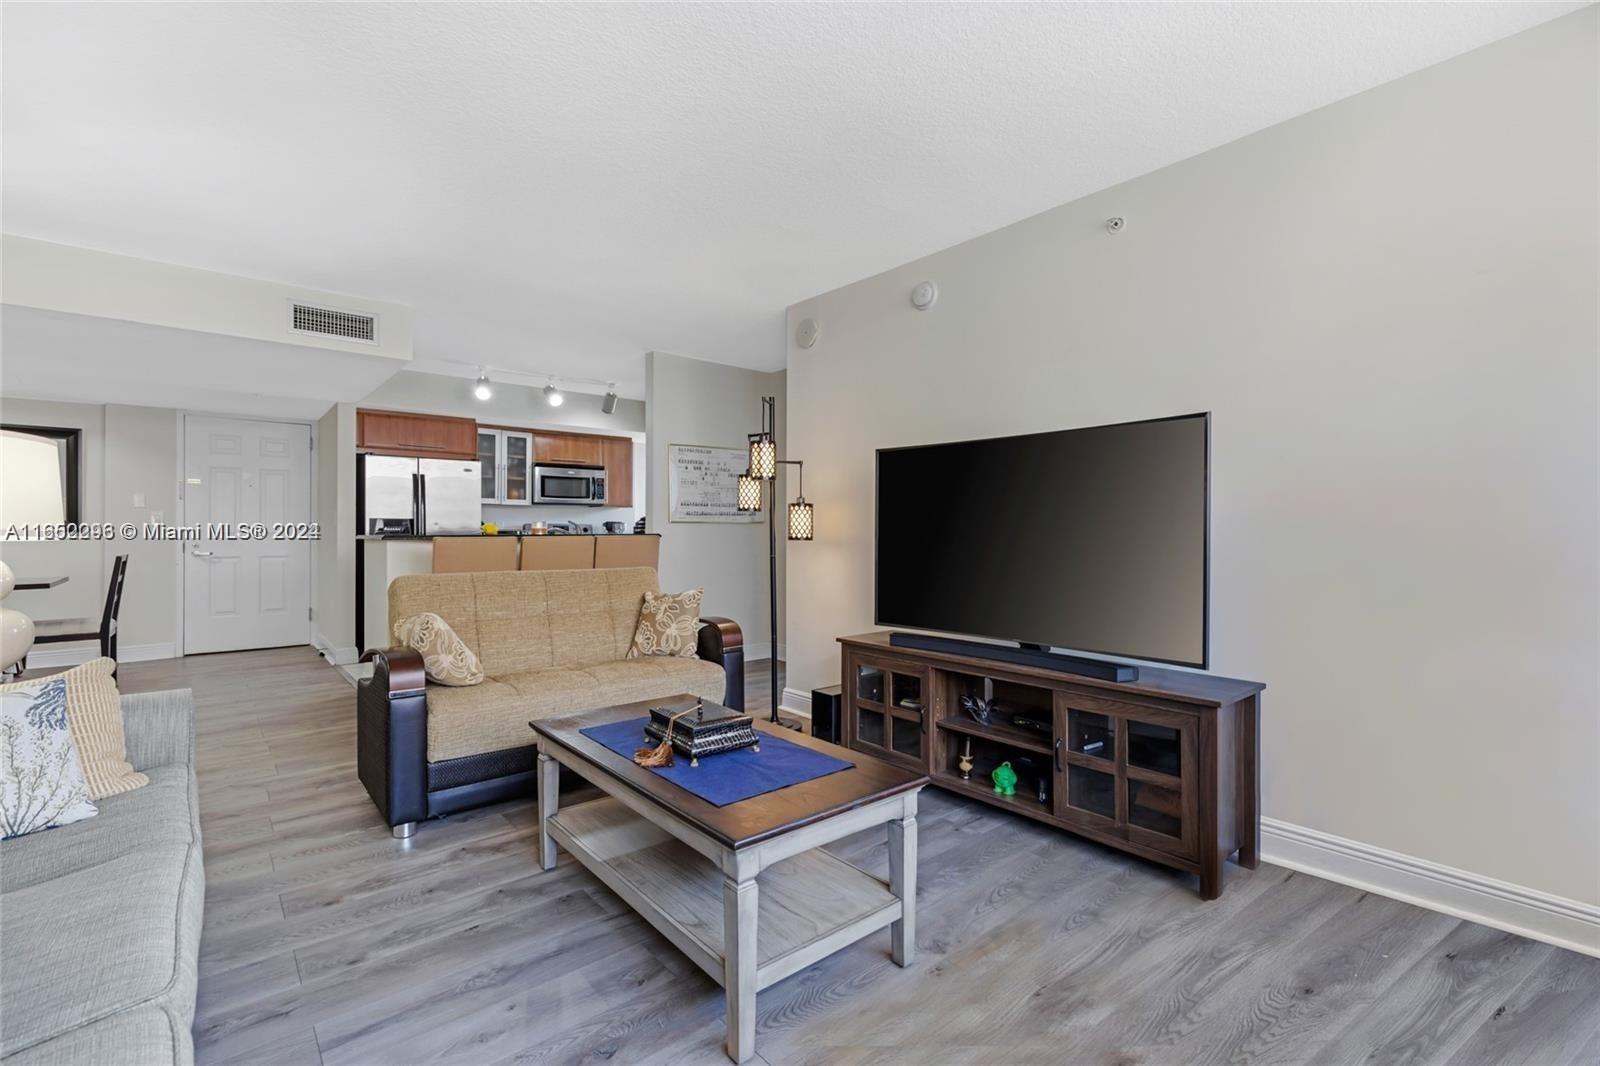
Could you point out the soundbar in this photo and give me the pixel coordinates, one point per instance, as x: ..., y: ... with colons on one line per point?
x: 1102, y: 669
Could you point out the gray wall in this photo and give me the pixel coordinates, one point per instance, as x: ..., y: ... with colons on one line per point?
x: 125, y: 450
x: 142, y: 457
x: 333, y: 600
x: 1389, y: 305
x: 695, y: 402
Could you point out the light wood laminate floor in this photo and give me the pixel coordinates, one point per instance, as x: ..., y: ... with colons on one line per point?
x: 326, y: 940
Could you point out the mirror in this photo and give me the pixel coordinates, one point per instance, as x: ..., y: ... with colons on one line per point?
x: 38, y: 475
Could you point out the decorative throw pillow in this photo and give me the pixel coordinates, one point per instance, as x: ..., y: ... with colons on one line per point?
x: 446, y: 658
x: 94, y: 715
x: 41, y: 782
x: 668, y: 623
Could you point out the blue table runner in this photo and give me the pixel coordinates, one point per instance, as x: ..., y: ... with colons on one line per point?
x: 730, y: 776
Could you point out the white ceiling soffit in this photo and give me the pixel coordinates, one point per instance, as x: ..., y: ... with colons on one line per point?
x: 53, y: 355
x: 560, y: 187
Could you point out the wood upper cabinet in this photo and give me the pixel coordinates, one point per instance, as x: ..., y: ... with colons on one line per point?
x: 504, y: 451
x: 423, y: 436
x: 618, y: 452
x: 575, y: 449
x: 505, y: 458
x: 555, y: 448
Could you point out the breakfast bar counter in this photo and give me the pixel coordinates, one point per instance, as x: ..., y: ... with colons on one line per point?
x: 381, y: 559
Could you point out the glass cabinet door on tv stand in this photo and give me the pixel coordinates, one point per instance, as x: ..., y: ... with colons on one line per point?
x: 888, y: 709
x: 1130, y: 770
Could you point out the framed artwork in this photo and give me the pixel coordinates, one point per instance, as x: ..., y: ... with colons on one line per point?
x: 704, y: 484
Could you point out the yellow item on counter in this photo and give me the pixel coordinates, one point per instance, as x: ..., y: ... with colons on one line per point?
x: 490, y: 528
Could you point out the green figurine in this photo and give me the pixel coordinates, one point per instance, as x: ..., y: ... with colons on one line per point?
x: 1005, y: 780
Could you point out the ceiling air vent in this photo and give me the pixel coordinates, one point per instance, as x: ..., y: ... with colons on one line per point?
x: 329, y: 322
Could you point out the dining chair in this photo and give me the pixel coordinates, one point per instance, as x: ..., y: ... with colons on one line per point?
x: 107, y: 633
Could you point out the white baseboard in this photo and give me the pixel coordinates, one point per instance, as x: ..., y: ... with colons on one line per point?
x: 1567, y: 923
x: 335, y: 655
x: 796, y: 702
x: 790, y: 701
x: 354, y: 673
x: 47, y: 657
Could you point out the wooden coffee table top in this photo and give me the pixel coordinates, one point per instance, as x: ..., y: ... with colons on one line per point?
x: 749, y: 821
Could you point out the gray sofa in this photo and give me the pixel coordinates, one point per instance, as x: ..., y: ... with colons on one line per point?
x: 100, y: 920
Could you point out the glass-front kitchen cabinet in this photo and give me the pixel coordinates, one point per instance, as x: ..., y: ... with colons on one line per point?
x: 505, y: 458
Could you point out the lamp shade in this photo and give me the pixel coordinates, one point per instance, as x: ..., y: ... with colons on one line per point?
x: 800, y: 524
x: 749, y: 493
x: 763, y: 457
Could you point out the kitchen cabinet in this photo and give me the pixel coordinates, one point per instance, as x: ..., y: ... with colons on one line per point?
x: 618, y: 456
x: 420, y: 436
x: 506, y: 455
x: 505, y: 458
x: 568, y: 449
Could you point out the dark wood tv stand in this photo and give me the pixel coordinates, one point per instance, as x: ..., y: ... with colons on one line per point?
x: 1164, y: 767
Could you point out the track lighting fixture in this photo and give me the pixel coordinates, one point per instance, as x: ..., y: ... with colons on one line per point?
x: 608, y: 406
x: 552, y: 395
x: 481, y: 388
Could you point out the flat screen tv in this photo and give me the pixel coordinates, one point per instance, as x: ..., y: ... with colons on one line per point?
x: 1093, y: 540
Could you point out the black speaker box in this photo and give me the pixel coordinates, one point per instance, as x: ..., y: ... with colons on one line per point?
x: 827, y: 714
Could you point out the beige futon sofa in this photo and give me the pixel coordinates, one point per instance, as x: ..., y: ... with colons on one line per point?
x: 551, y: 642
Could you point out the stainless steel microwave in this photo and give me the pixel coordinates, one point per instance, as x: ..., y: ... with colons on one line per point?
x: 569, y: 484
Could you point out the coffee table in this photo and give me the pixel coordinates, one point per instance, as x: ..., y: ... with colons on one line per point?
x: 745, y: 890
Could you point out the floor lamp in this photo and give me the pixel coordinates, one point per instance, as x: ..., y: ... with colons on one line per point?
x: 760, y: 480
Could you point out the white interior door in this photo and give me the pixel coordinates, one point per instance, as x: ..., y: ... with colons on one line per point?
x: 250, y: 591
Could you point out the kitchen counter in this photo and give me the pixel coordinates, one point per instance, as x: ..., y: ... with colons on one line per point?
x: 382, y: 558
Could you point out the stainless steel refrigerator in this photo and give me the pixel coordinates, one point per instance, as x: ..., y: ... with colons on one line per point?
x: 419, y: 496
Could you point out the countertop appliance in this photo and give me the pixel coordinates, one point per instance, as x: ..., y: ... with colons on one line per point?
x: 418, y: 496
x: 583, y: 485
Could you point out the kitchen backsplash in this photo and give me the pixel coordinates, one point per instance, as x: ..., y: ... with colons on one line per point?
x: 514, y: 517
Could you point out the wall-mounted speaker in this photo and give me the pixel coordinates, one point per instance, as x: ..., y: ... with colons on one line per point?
x: 805, y: 334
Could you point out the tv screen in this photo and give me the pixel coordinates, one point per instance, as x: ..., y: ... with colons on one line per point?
x: 1085, y: 539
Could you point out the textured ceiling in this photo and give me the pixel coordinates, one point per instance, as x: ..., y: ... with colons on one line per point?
x: 560, y: 188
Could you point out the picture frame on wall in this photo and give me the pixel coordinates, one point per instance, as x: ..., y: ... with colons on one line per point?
x: 39, y: 475
x: 704, y: 484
